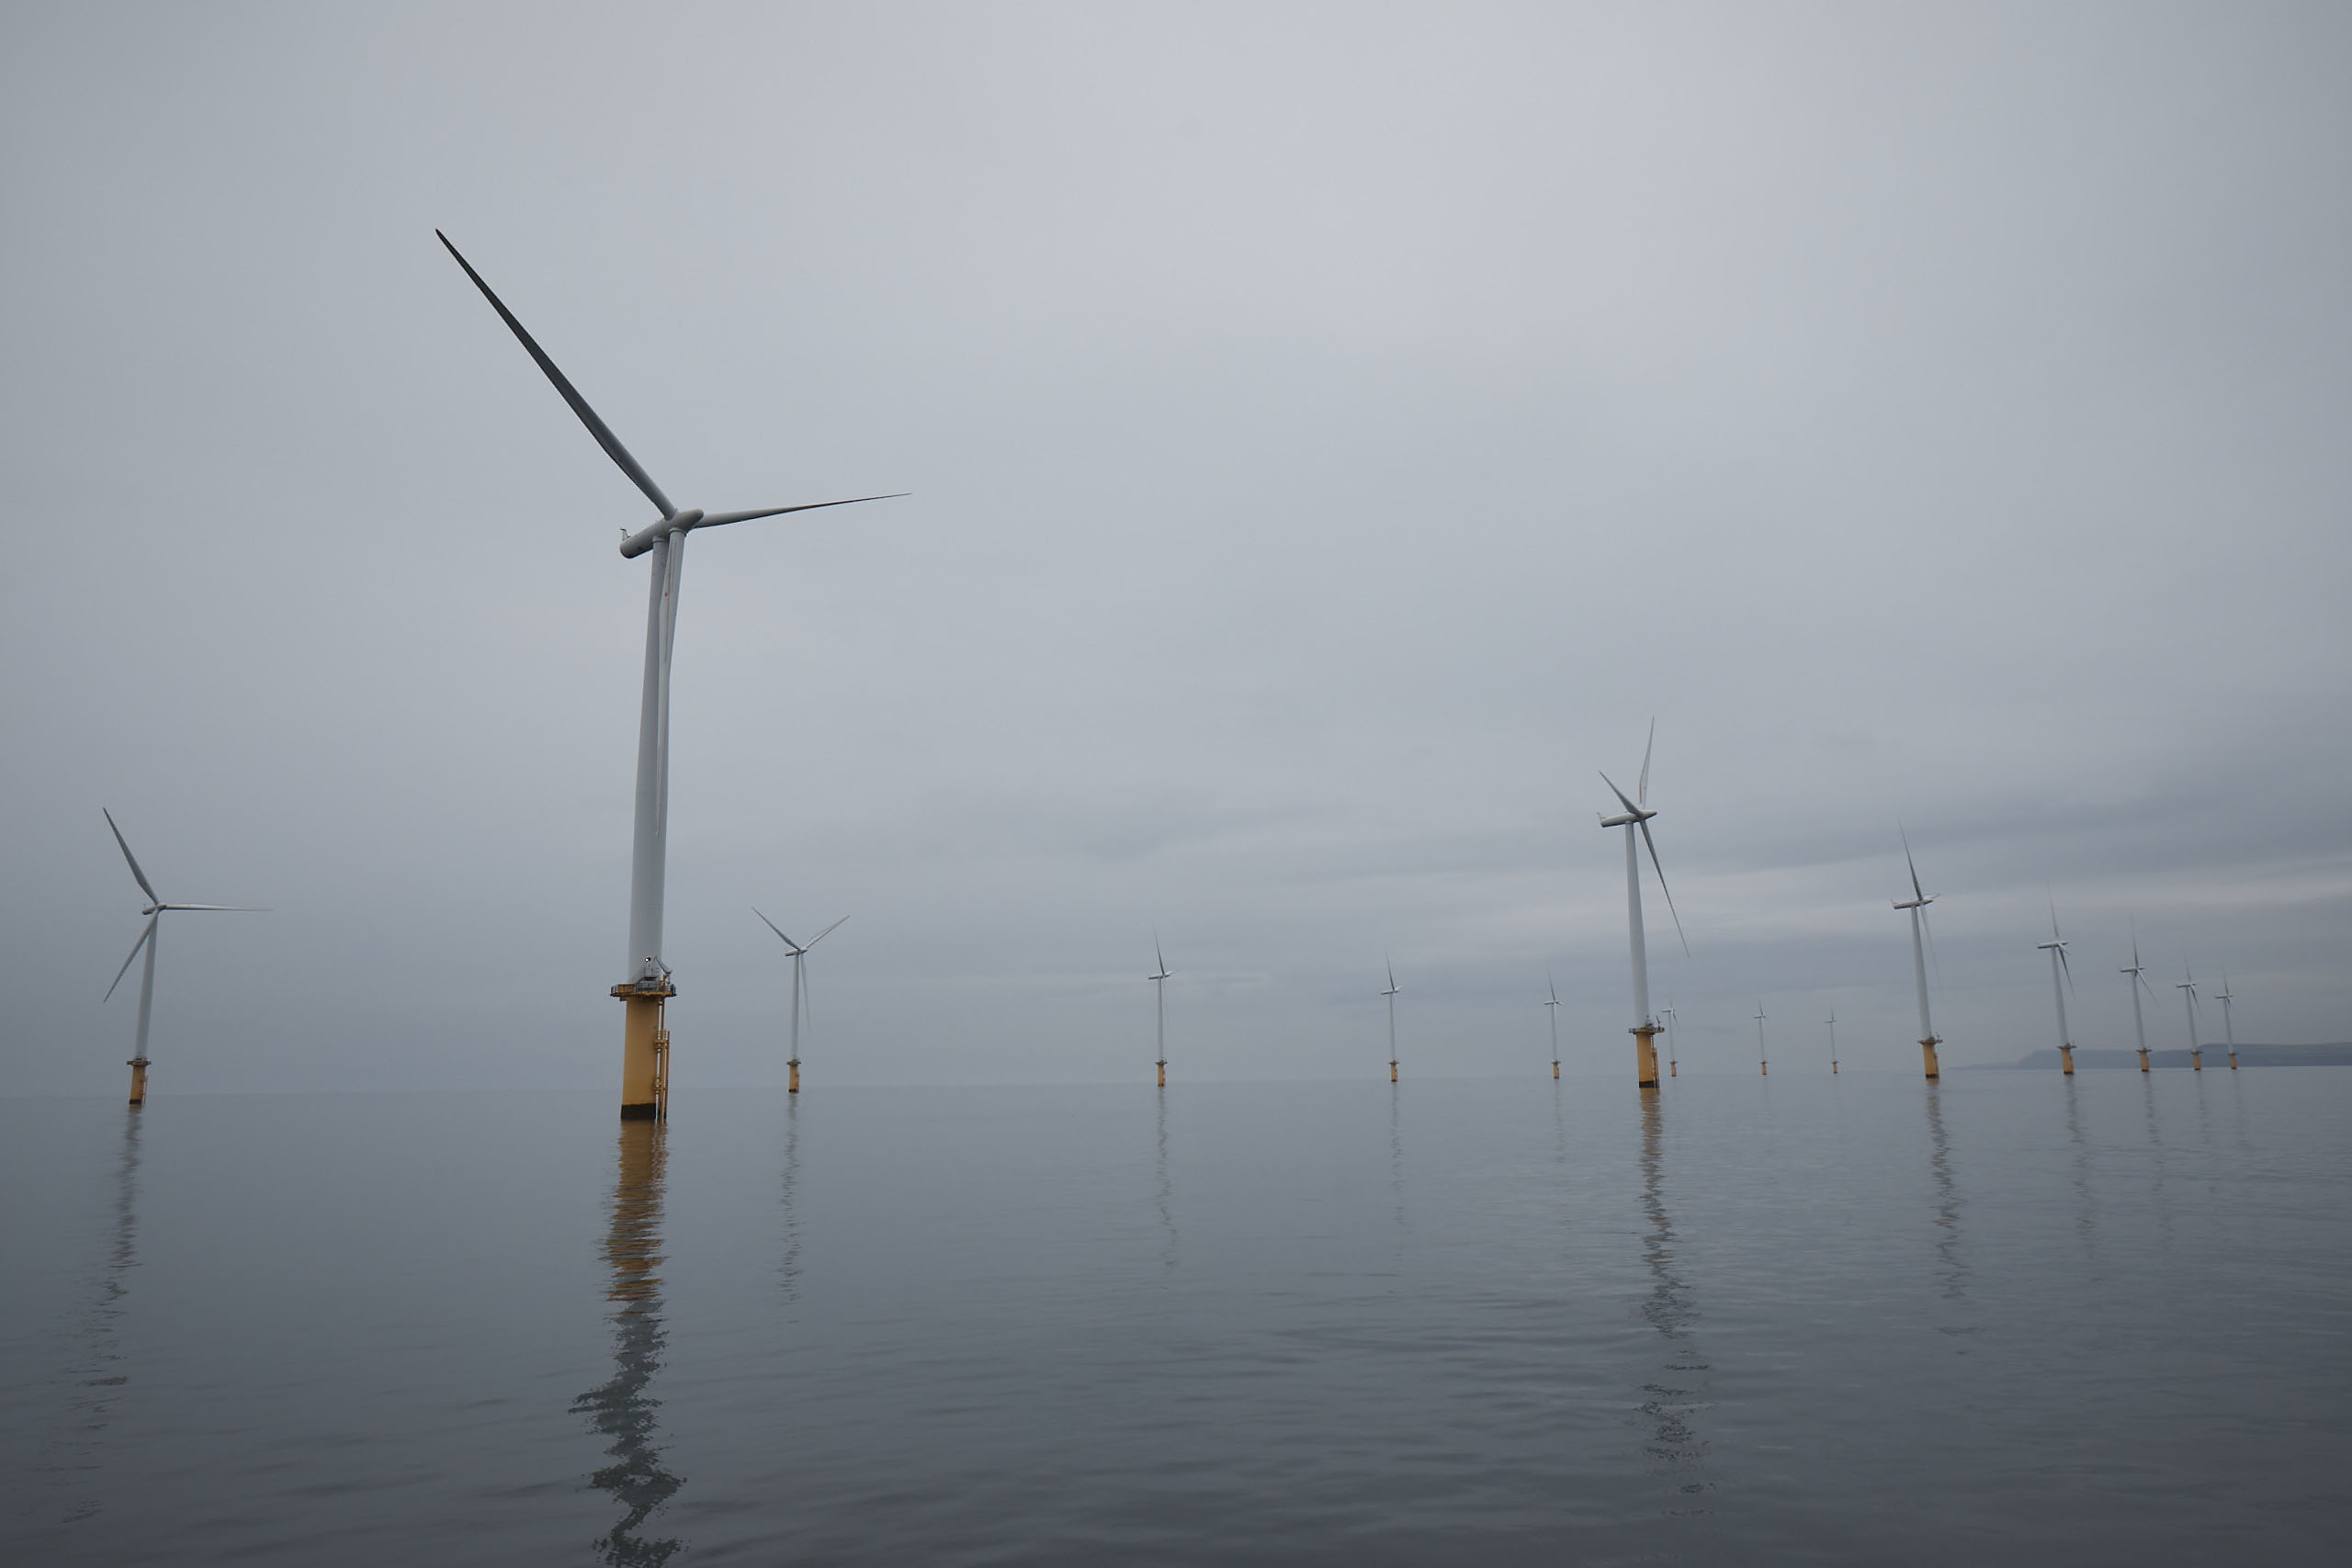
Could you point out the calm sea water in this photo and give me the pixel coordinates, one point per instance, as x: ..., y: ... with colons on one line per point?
x: 1791, y: 1320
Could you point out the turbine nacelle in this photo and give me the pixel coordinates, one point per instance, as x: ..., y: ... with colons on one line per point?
x: 1922, y: 903
x: 1627, y: 819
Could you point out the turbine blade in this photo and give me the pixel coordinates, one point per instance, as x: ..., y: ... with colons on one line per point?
x: 721, y: 519
x: 596, y: 427
x: 1662, y: 887
x: 1642, y: 792
x: 822, y: 934
x: 1619, y: 792
x: 232, y: 908
x: 146, y: 937
x: 780, y: 936
x: 2067, y: 969
x: 145, y: 886
x: 1916, y: 891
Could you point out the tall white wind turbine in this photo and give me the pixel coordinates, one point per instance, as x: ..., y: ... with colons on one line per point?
x: 1763, y: 1067
x: 799, y: 951
x: 2139, y: 974
x: 1637, y: 816
x: 645, y: 1040
x: 154, y: 911
x: 1917, y: 903
x: 1391, y: 994
x: 1159, y: 978
x: 1552, y: 1011
x: 2188, y: 990
x: 2062, y: 976
x: 2229, y: 1029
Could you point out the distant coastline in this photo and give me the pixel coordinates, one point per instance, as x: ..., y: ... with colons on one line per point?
x: 2215, y: 1057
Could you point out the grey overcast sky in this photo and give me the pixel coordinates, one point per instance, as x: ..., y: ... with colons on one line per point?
x: 1335, y: 432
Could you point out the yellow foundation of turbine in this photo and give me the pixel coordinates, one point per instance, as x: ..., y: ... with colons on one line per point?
x: 1644, y: 1059
x: 1927, y: 1060
x: 1164, y: 1066
x: 2233, y: 1061
x: 2066, y: 1060
x: 1555, y: 1072
x: 1392, y: 1072
x: 645, y: 1054
x: 2144, y: 1058
x: 139, y: 1079
x: 1833, y: 1068
x: 1671, y: 1071
x: 2197, y: 1061
x: 792, y: 1084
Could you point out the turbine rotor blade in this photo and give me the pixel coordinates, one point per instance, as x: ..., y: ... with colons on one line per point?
x: 827, y: 931
x: 1662, y: 887
x: 788, y: 941
x: 232, y: 908
x: 721, y: 519
x: 1620, y: 794
x: 1642, y: 792
x: 596, y: 427
x: 2067, y: 969
x: 1916, y: 892
x: 145, y: 886
x: 146, y: 937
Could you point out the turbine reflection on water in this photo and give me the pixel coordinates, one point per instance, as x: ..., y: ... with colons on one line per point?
x: 788, y: 1253
x: 1948, y: 1199
x: 98, y: 1372
x: 1676, y: 1395
x: 620, y: 1409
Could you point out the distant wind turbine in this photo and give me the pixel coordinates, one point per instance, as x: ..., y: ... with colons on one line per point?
x: 154, y: 911
x: 1833, y: 1042
x: 1917, y: 905
x: 799, y: 951
x: 2062, y: 975
x: 2139, y: 983
x: 1391, y: 994
x: 1763, y: 1067
x: 1552, y: 1011
x: 2229, y: 1029
x: 2188, y: 990
x: 645, y: 1039
x: 1637, y: 815
x: 1160, y: 1005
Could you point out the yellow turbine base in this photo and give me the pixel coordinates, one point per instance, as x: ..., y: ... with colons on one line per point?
x: 1927, y: 1060
x: 2197, y: 1061
x: 792, y: 1084
x: 1164, y: 1066
x: 1763, y: 1068
x: 1644, y: 1059
x: 1555, y: 1072
x: 1392, y: 1072
x: 138, y: 1082
x: 1671, y: 1070
x: 645, y: 1054
x: 2066, y: 1060
x: 2144, y: 1058
x: 2233, y: 1061
x: 1833, y: 1069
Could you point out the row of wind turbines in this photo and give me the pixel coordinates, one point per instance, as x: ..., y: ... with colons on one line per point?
x: 648, y: 982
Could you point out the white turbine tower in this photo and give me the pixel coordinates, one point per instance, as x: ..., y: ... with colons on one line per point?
x: 2188, y: 990
x: 1552, y: 1011
x: 1391, y: 994
x: 2229, y: 1029
x: 1833, y: 1042
x: 2062, y: 975
x: 1917, y: 905
x: 799, y: 951
x: 645, y: 1042
x: 2139, y: 983
x: 1160, y: 1005
x: 1637, y: 816
x: 154, y: 911
x: 1763, y: 1067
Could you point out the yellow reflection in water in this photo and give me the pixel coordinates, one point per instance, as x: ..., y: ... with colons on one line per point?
x: 620, y: 1409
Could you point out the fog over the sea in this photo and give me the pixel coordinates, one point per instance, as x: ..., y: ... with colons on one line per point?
x: 1335, y: 432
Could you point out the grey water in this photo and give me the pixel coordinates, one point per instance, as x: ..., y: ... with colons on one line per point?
x: 1795, y: 1319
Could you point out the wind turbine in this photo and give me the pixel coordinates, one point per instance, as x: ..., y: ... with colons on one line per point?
x: 2229, y: 1029
x: 1833, y: 1042
x: 1918, y: 907
x: 2188, y: 990
x: 2139, y: 983
x: 799, y: 951
x: 1637, y: 815
x: 2062, y: 975
x: 1391, y: 994
x: 1667, y: 1012
x: 154, y: 911
x: 1552, y: 1011
x: 1763, y: 1067
x: 645, y: 1039
x: 1160, y: 1005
